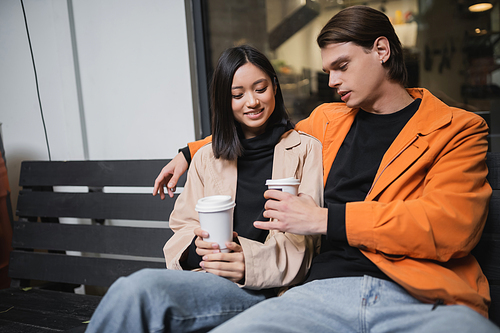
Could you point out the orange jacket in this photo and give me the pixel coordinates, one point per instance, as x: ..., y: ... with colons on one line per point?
x: 427, y: 206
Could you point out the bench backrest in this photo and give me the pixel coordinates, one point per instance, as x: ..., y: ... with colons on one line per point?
x: 38, y: 202
x: 487, y: 252
x: 40, y: 242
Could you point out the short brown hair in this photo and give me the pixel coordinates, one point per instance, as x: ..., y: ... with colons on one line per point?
x: 362, y: 25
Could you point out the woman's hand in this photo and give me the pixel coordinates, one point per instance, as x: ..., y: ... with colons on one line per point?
x: 228, y: 265
x: 170, y: 174
x: 202, y: 247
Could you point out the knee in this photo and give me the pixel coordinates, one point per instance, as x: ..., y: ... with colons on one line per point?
x: 135, y: 285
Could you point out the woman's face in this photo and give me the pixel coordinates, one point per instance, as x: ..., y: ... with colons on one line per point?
x: 253, y: 102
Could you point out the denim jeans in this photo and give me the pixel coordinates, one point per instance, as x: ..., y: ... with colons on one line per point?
x: 163, y: 300
x: 354, y: 304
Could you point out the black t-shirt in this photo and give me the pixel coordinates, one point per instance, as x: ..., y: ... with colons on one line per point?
x: 349, y: 180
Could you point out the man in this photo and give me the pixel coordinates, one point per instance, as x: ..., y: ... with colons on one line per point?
x: 406, y: 200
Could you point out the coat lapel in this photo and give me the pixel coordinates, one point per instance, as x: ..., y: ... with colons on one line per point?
x: 411, y: 143
x: 285, y: 161
x: 337, y: 127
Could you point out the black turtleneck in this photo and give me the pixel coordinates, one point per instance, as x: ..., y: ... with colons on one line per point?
x: 254, y: 168
x: 349, y: 180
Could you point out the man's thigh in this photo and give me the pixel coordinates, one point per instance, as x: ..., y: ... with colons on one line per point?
x: 354, y: 304
x: 318, y: 306
x: 389, y: 308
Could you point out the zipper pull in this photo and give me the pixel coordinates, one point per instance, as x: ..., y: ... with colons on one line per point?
x: 437, y: 303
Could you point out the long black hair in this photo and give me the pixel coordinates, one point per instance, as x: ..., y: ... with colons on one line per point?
x: 225, y: 141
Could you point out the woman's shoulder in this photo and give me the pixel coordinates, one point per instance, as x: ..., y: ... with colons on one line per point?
x: 309, y: 138
x: 294, y: 137
x: 203, y: 153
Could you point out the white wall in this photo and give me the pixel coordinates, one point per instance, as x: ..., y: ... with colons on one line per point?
x: 135, y: 81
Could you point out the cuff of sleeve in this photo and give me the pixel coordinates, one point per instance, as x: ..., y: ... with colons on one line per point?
x: 336, y: 223
x: 193, y: 260
x: 360, y: 218
x: 187, y: 154
x: 249, y: 267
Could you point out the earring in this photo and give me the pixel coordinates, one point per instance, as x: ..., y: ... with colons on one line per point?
x: 382, y: 61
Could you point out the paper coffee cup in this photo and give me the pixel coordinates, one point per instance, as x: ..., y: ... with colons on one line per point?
x: 289, y: 185
x: 216, y: 217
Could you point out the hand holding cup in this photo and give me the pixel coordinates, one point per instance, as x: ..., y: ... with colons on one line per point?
x: 216, y: 218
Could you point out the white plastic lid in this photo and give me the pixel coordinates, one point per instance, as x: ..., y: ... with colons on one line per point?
x: 283, y: 181
x: 215, y: 203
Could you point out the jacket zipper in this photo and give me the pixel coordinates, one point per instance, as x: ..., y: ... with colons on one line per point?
x: 390, y: 162
x: 324, y: 130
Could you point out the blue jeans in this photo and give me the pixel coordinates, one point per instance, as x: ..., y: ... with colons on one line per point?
x: 163, y: 300
x: 354, y: 304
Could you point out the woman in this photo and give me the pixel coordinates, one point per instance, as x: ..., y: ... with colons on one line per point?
x: 252, y: 141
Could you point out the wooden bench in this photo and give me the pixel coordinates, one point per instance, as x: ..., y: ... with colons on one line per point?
x: 41, y: 243
x: 39, y: 210
x: 487, y: 252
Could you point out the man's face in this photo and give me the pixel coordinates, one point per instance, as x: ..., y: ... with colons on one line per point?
x: 356, y: 73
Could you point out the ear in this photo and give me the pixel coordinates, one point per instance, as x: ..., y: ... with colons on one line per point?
x: 275, y: 85
x: 382, y: 48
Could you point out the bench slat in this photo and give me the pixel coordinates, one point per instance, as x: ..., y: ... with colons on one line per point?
x: 97, y: 205
x: 92, y: 173
x: 487, y: 253
x: 488, y: 250
x: 73, y: 269
x: 493, y: 162
x: 492, y: 225
x: 137, y: 241
x: 495, y: 305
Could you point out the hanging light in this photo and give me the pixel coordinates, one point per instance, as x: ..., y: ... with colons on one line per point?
x: 480, y: 32
x: 480, y: 7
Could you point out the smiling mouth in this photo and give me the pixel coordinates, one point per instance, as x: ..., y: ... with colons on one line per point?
x: 254, y: 113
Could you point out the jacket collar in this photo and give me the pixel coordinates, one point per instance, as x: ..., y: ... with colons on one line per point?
x: 426, y: 120
x: 430, y: 116
x: 290, y: 139
x: 411, y: 142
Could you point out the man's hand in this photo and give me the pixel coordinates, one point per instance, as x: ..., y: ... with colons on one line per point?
x: 170, y: 174
x: 294, y: 214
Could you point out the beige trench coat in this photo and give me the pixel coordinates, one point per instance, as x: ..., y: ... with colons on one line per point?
x: 284, y: 259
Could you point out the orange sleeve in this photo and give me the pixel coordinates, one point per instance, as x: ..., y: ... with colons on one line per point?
x: 194, y: 146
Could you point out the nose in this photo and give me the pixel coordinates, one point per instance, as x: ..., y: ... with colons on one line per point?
x: 334, y: 80
x: 252, y: 101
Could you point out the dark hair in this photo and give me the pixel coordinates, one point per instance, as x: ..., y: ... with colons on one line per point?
x: 362, y: 25
x: 225, y: 141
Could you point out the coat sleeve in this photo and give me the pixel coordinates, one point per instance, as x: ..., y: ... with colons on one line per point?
x: 196, y: 145
x: 284, y: 259
x: 445, y: 218
x: 184, y: 218
x: 315, y: 124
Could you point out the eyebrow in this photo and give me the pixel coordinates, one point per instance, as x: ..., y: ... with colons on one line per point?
x: 335, y: 63
x: 254, y: 84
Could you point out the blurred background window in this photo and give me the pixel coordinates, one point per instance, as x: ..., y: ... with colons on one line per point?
x: 451, y: 48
